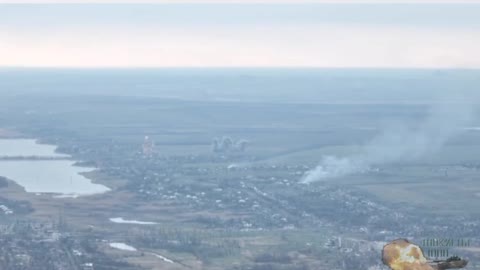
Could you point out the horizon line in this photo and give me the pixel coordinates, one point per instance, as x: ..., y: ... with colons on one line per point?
x: 232, y: 67
x: 240, y: 2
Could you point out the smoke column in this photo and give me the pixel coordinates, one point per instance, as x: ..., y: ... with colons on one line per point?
x: 399, y: 143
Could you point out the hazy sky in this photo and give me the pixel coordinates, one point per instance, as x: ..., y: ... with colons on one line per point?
x: 273, y: 34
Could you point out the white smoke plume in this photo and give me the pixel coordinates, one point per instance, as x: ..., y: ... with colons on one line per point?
x: 400, y: 142
x: 227, y: 144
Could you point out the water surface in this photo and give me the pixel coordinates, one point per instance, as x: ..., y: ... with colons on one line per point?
x: 44, y: 176
x: 26, y: 148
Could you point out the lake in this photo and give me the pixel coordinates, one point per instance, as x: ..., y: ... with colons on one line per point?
x: 26, y: 147
x: 44, y: 176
